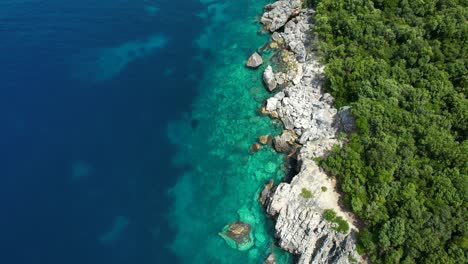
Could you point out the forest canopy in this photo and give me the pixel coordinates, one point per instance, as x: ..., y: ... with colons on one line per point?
x: 402, y: 67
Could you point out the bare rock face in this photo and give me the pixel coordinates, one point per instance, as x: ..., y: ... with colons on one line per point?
x: 300, y: 226
x: 279, y: 13
x: 346, y: 119
x: 269, y: 78
x: 297, y: 34
x: 312, y: 123
x: 254, y: 60
x: 285, y: 142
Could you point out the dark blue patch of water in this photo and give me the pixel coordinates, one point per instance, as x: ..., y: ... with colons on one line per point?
x: 85, y: 163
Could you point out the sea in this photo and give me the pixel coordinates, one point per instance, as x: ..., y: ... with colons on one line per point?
x: 126, y: 131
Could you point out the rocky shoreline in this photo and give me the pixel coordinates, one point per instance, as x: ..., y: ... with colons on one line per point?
x: 312, y: 127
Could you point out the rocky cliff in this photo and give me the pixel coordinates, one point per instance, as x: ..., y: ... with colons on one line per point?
x: 312, y: 126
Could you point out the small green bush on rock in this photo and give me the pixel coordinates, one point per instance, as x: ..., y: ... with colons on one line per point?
x: 341, y: 225
x: 305, y: 193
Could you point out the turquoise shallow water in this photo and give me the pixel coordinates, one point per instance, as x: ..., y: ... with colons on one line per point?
x: 214, y: 140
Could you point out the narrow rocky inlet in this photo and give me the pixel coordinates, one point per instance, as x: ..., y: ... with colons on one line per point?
x: 312, y: 126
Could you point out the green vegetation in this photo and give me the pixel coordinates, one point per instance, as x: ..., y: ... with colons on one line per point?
x: 341, y: 225
x: 352, y: 259
x: 329, y: 215
x: 306, y: 193
x: 402, y: 66
x: 324, y: 189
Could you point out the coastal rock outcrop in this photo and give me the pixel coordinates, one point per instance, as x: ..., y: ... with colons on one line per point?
x: 279, y: 13
x: 300, y: 227
x: 285, y: 142
x: 312, y: 124
x: 296, y: 34
x: 269, y: 78
x: 254, y: 61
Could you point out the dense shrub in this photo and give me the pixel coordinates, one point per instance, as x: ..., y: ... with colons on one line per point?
x: 402, y: 66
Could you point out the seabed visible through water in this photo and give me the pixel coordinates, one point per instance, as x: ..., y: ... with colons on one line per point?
x: 225, y: 177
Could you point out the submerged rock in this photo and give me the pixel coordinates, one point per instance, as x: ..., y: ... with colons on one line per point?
x: 271, y: 259
x: 269, y: 78
x: 238, y: 235
x: 255, y: 147
x: 264, y: 140
x: 254, y: 60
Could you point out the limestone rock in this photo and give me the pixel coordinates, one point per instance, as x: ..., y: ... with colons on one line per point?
x: 300, y: 226
x: 279, y: 13
x: 285, y: 142
x: 269, y: 78
x: 272, y: 104
x: 280, y: 78
x: 297, y: 34
x: 346, y: 119
x: 307, y: 112
x: 277, y: 37
x: 254, y: 60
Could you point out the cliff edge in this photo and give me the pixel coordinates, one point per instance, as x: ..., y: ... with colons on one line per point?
x: 312, y: 127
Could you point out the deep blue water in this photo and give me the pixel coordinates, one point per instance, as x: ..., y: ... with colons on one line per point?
x: 85, y: 163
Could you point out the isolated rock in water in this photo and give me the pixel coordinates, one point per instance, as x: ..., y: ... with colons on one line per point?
x: 285, y: 142
x: 238, y: 235
x: 269, y: 78
x: 279, y: 13
x: 254, y: 60
x: 264, y: 140
x: 255, y: 147
x: 346, y: 119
